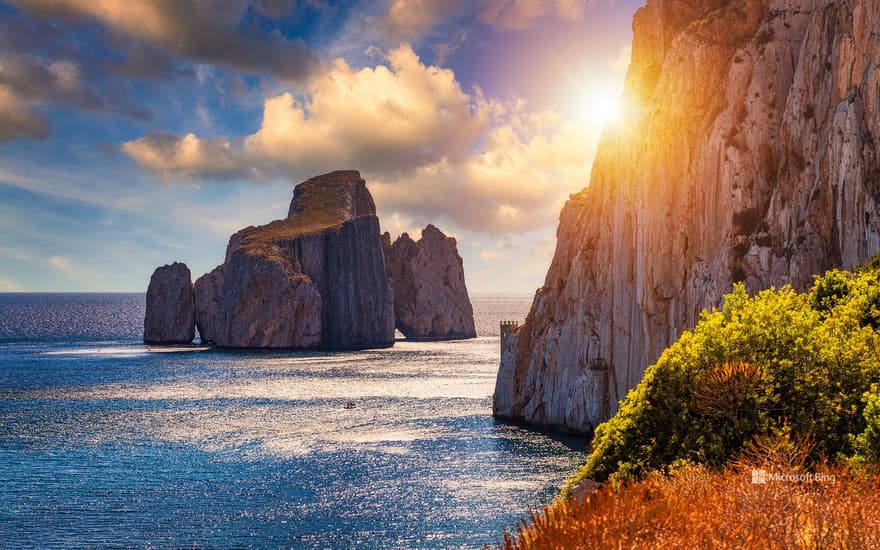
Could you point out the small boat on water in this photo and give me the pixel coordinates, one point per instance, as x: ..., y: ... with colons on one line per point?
x: 350, y: 405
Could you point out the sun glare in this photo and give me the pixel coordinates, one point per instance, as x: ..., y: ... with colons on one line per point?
x: 600, y: 106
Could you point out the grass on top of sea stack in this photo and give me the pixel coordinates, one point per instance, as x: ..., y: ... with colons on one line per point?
x: 321, y: 204
x: 697, y: 507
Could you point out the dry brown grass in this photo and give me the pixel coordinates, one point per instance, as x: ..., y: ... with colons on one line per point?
x: 724, y: 389
x: 321, y: 204
x: 700, y: 508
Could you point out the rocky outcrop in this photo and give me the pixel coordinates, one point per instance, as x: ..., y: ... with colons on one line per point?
x: 170, y: 308
x: 313, y: 280
x: 749, y: 152
x: 317, y: 279
x: 267, y: 302
x: 208, y: 290
x: 430, y: 296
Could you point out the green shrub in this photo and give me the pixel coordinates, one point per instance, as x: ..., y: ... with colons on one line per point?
x: 830, y: 290
x: 868, y: 443
x: 780, y: 360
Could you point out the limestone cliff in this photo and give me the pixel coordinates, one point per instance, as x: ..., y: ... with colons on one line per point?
x: 170, y: 307
x: 430, y: 296
x: 749, y: 152
x: 313, y: 280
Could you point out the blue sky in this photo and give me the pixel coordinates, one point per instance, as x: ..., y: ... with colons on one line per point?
x: 133, y: 134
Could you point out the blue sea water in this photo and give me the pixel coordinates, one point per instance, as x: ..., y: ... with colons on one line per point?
x: 105, y: 442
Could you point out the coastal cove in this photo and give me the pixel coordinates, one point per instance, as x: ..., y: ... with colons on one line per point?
x: 102, y: 439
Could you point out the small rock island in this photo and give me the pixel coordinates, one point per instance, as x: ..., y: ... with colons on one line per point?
x: 430, y: 297
x: 170, y: 317
x: 321, y: 278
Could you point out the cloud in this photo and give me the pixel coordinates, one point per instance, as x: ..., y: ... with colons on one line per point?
x: 8, y: 285
x: 519, y: 14
x: 216, y: 31
x: 188, y: 155
x: 429, y: 150
x: 28, y: 81
x: 517, y: 182
x: 57, y: 263
x: 444, y: 50
x: 17, y: 120
x: 58, y: 81
x: 388, y: 120
x: 409, y: 20
x: 60, y: 263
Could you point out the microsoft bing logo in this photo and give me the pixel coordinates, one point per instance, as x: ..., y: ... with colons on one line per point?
x: 759, y: 477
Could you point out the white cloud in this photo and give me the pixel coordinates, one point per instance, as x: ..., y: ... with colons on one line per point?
x: 396, y: 224
x: 388, y: 119
x: 189, y: 155
x: 429, y: 150
x: 528, y: 165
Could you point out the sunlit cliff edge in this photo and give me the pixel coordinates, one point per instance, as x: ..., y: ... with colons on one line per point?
x: 748, y: 152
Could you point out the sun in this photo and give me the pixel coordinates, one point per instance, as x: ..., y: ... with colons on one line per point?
x: 599, y: 106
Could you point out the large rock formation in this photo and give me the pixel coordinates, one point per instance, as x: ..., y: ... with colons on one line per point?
x: 430, y: 297
x: 749, y: 153
x: 318, y: 279
x: 314, y: 279
x: 170, y: 314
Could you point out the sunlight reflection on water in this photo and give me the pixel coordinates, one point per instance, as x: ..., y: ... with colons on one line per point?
x: 108, y: 442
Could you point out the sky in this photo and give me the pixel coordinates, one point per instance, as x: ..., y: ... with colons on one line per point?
x: 134, y: 133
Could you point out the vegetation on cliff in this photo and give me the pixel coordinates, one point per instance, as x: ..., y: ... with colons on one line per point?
x: 778, y: 361
x: 783, y: 383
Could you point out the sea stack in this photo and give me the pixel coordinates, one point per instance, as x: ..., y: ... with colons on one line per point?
x: 430, y: 296
x: 313, y: 280
x: 748, y: 153
x: 170, y: 312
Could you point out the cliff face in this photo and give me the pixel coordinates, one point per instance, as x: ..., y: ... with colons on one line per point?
x: 208, y: 291
x: 430, y: 296
x: 748, y: 153
x: 170, y: 313
x: 314, y: 279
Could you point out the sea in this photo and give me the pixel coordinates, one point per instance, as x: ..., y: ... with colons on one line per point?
x: 108, y: 443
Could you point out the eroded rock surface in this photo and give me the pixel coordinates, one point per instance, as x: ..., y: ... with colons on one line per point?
x: 170, y: 308
x: 430, y: 296
x: 313, y: 280
x: 749, y: 152
x: 208, y: 290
